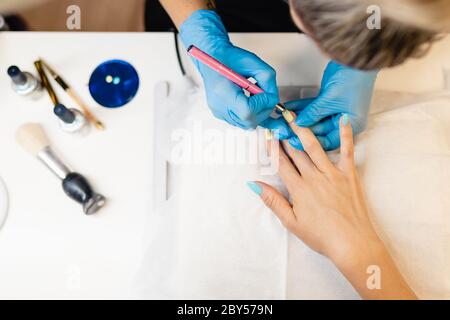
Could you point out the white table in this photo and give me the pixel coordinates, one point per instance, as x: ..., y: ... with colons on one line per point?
x: 48, y: 247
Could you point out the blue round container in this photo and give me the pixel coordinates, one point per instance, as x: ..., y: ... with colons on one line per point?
x: 114, y: 83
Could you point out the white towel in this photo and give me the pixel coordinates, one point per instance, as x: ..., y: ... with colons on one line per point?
x: 407, y: 178
x: 214, y: 239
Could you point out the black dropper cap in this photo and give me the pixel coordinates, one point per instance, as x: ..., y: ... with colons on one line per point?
x: 64, y: 114
x: 17, y: 76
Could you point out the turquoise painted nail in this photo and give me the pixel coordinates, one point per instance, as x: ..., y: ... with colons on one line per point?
x: 256, y: 188
x: 345, y: 119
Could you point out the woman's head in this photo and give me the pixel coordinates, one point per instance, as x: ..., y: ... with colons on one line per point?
x: 340, y: 28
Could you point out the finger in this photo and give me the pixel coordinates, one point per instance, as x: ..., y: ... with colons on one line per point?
x: 325, y: 142
x: 347, y: 161
x: 324, y: 127
x: 312, y: 147
x: 331, y: 141
x: 254, y: 109
x: 298, y: 105
x: 243, y: 124
x: 231, y: 120
x: 266, y: 79
x: 250, y: 112
x: 247, y: 109
x: 286, y: 169
x: 244, y: 111
x: 296, y: 143
x: 279, y: 128
x: 300, y: 159
x: 224, y: 94
x: 262, y: 103
x: 275, y: 201
x: 250, y: 65
x: 314, y: 112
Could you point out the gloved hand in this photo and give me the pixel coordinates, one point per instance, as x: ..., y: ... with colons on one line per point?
x: 343, y: 91
x: 205, y: 30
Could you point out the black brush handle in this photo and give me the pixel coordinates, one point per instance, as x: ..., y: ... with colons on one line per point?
x: 77, y: 187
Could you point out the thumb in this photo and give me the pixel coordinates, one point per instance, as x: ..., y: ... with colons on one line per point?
x: 255, y: 109
x: 279, y: 128
x: 275, y: 201
x: 262, y: 102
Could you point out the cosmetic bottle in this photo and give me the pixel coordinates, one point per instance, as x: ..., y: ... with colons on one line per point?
x: 71, y: 120
x: 3, y: 25
x: 24, y: 83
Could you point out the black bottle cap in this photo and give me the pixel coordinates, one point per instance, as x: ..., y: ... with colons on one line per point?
x: 16, y: 75
x: 64, y: 114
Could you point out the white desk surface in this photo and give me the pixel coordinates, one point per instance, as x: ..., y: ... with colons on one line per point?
x: 48, y: 247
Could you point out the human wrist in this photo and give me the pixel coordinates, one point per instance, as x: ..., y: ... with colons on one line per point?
x: 373, y: 273
x: 365, y: 251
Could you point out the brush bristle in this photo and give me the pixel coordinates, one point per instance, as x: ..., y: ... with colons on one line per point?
x: 31, y: 137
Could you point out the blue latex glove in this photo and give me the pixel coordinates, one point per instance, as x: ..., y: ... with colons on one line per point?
x: 205, y: 30
x: 343, y: 90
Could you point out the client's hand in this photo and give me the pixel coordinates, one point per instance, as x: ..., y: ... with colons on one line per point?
x: 328, y: 211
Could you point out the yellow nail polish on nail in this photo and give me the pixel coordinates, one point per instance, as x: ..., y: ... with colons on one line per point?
x: 268, y: 134
x: 287, y: 115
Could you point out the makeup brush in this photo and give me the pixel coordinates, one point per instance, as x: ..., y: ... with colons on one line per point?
x: 44, y: 80
x: 87, y: 113
x: 33, y: 139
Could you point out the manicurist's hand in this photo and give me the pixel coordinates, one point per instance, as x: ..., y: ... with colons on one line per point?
x: 328, y: 211
x: 205, y: 30
x: 344, y: 90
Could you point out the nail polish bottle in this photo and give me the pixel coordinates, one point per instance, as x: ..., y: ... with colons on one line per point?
x: 3, y: 25
x: 71, y: 120
x: 24, y: 83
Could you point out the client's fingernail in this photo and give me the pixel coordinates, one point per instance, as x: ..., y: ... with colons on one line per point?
x: 287, y: 115
x: 268, y: 134
x: 256, y: 188
x: 345, y: 120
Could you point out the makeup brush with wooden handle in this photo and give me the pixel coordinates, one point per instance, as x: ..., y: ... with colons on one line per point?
x: 32, y: 138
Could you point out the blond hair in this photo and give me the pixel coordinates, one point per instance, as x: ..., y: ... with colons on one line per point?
x: 408, y: 28
x: 433, y: 15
